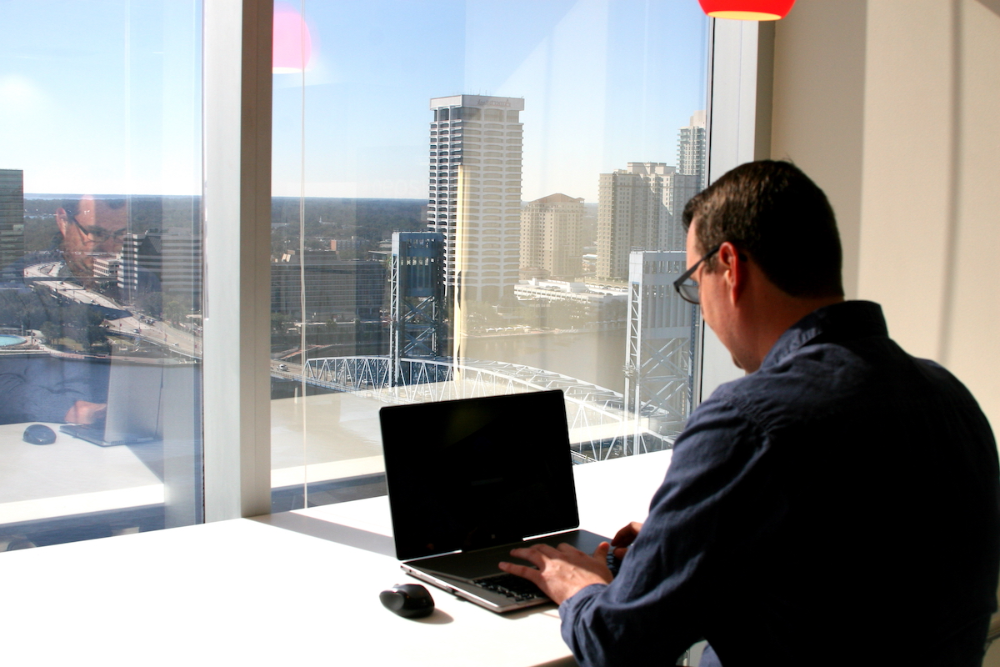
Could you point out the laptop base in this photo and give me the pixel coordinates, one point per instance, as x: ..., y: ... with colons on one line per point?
x: 458, y: 573
x: 95, y: 435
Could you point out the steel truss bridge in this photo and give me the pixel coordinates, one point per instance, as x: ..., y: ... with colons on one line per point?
x: 599, y: 426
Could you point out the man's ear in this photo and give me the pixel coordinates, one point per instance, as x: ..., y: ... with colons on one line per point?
x: 734, y: 270
x: 62, y: 221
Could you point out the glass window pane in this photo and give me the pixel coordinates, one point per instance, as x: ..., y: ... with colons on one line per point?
x: 100, y: 249
x: 495, y: 209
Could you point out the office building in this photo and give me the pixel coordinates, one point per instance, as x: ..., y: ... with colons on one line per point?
x: 474, y: 197
x: 11, y: 223
x: 639, y: 208
x: 106, y: 268
x: 552, y: 237
x: 166, y: 262
x: 342, y: 289
x: 692, y: 150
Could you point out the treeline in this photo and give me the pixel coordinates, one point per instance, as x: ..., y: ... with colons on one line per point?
x: 146, y: 212
x: 373, y: 219
x: 325, y: 217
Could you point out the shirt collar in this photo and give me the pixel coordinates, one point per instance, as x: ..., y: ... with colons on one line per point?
x: 840, y: 321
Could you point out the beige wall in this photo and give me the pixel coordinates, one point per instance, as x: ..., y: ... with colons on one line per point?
x: 894, y: 108
x: 818, y: 108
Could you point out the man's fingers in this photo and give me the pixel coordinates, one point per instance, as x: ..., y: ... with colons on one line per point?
x: 529, y: 573
x: 537, y: 553
x: 601, y: 552
x: 529, y: 554
x: 627, y: 534
x: 568, y: 548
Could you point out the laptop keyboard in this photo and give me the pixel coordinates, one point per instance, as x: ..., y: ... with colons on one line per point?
x: 513, y: 586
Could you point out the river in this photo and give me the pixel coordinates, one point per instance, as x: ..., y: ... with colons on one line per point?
x: 592, y: 356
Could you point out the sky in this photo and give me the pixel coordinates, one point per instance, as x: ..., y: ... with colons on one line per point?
x: 104, y: 96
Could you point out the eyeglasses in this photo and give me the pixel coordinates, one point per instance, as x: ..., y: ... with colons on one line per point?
x: 688, y: 288
x: 99, y: 234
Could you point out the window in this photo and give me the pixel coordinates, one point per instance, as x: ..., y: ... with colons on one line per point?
x: 101, y: 295
x: 343, y: 172
x: 366, y: 157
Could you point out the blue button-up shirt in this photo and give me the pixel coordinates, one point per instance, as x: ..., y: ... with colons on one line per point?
x: 841, y: 505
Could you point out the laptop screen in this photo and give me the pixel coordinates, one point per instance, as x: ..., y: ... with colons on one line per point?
x: 477, y: 472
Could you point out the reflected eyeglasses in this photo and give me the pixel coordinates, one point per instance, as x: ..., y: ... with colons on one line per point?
x: 99, y: 234
x: 688, y: 288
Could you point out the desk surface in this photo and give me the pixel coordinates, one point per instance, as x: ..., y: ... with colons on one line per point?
x: 285, y: 587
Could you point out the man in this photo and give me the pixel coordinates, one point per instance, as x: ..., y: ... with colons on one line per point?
x: 63, y: 390
x: 91, y: 228
x: 839, y: 505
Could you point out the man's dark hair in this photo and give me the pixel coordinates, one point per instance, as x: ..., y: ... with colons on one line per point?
x: 777, y: 215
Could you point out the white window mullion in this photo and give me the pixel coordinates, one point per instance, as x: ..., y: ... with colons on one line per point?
x: 236, y: 209
x: 742, y: 65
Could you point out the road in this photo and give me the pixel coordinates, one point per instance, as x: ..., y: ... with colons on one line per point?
x: 136, y: 326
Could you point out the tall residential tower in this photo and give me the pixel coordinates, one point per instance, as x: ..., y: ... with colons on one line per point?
x: 474, y: 197
x: 552, y: 237
x: 692, y: 150
x: 639, y: 208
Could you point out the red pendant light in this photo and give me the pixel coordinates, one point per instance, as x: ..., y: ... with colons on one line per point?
x: 747, y: 10
x: 292, y: 43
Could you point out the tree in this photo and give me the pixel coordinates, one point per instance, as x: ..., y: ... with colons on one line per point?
x: 279, y: 322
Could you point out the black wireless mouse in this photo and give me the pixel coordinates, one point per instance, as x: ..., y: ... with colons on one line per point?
x: 408, y: 600
x: 39, y: 434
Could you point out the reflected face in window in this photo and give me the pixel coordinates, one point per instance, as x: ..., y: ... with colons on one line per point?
x: 97, y: 227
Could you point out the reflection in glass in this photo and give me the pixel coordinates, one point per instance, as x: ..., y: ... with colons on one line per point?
x: 100, y: 270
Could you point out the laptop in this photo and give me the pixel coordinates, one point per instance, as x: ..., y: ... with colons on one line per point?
x: 133, y: 412
x: 471, y: 479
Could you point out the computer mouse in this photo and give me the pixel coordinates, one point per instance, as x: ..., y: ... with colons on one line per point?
x: 408, y: 600
x: 39, y: 434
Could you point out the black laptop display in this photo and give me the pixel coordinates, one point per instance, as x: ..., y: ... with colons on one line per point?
x: 478, y: 476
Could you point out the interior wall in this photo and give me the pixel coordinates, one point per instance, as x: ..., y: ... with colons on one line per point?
x: 892, y: 108
x: 818, y: 108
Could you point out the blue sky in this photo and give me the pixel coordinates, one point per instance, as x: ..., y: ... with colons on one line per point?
x: 104, y: 96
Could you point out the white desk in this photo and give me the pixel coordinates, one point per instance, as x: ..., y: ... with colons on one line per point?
x: 277, y: 589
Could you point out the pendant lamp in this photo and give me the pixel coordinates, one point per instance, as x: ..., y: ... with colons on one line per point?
x: 747, y: 10
x: 292, y: 44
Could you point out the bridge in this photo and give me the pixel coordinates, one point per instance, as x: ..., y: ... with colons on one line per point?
x: 600, y: 427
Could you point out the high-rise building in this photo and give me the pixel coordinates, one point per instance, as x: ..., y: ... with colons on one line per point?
x: 692, y: 150
x: 11, y: 223
x: 345, y: 289
x: 168, y: 263
x: 475, y: 191
x: 639, y: 208
x: 552, y: 237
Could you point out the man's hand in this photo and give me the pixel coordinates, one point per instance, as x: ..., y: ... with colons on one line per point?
x: 85, y: 412
x: 624, y: 538
x: 561, y: 572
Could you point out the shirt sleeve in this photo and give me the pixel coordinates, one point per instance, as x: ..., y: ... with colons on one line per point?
x: 653, y: 610
x: 40, y: 391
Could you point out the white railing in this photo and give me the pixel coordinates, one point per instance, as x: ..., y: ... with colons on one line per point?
x: 599, y: 425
